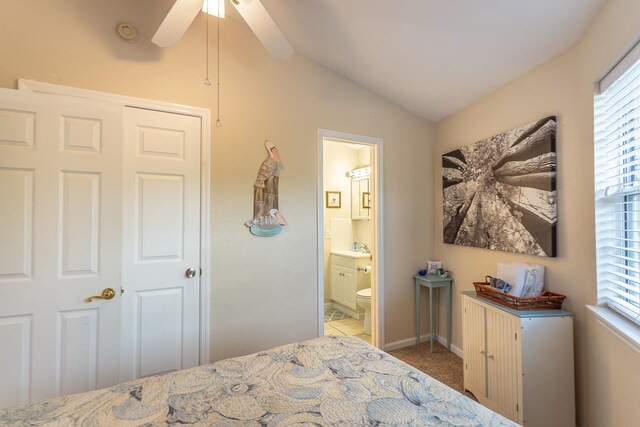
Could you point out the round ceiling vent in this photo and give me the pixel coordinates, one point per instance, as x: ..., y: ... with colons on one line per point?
x: 127, y: 32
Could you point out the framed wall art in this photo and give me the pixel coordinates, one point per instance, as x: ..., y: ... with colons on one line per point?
x: 333, y: 199
x: 500, y: 193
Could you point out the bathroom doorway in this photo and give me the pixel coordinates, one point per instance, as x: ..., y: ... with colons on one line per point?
x: 350, y: 250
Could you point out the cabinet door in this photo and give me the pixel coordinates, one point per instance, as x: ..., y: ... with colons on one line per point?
x: 360, y: 197
x: 349, y: 283
x: 337, y: 284
x: 473, y: 342
x: 355, y: 206
x: 502, y: 362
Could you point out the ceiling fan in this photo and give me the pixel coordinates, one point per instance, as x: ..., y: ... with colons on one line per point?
x: 183, y: 12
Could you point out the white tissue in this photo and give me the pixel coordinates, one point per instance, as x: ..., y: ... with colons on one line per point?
x: 535, y: 280
x: 515, y: 275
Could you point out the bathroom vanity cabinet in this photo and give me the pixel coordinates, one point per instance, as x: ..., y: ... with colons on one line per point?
x: 519, y: 363
x: 346, y: 280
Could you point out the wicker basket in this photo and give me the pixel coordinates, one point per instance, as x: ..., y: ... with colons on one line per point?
x: 545, y: 301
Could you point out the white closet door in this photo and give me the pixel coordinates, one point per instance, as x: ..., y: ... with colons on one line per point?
x: 161, y: 252
x: 60, y: 218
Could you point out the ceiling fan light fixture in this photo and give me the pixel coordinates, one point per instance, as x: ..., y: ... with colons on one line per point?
x: 214, y: 7
x: 183, y: 12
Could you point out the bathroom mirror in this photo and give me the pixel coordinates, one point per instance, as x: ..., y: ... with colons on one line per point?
x: 360, y: 197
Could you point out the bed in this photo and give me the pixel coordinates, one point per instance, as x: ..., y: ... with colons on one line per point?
x: 332, y: 381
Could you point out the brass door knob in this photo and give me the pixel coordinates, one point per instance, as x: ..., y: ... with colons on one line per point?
x: 107, y: 293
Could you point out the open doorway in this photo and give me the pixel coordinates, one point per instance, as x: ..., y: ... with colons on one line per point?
x: 350, y: 297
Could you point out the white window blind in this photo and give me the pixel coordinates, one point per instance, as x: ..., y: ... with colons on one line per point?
x: 617, y: 185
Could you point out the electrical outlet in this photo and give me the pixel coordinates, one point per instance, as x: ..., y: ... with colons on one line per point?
x: 327, y: 234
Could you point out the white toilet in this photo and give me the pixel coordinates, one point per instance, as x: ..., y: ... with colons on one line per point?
x: 363, y: 299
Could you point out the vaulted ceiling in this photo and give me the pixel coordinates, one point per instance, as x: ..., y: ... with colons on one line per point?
x: 433, y: 57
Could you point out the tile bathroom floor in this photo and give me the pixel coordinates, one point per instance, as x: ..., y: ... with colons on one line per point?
x: 340, y: 324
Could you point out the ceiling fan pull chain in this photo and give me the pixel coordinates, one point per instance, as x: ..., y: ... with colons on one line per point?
x: 218, y: 121
x: 207, y: 82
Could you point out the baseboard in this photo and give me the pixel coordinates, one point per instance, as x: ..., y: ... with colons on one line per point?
x: 404, y: 343
x: 454, y: 349
x: 423, y: 338
x: 328, y: 305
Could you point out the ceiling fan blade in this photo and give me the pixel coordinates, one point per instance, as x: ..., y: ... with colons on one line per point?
x: 176, y: 23
x: 259, y: 20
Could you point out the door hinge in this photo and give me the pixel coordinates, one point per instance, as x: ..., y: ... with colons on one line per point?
x: 516, y: 334
x: 517, y: 408
x: 201, y: 271
x: 121, y: 290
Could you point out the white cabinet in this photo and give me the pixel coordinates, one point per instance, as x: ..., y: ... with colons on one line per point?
x: 346, y: 280
x: 519, y: 363
x: 360, y: 198
x: 342, y: 284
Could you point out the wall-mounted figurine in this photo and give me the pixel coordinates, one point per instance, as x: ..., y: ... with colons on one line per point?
x: 267, y: 220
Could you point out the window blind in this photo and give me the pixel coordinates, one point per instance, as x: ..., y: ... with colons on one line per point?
x: 617, y: 185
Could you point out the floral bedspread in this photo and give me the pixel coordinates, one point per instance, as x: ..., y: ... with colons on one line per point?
x: 329, y: 381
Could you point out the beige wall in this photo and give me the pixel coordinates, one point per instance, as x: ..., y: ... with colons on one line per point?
x: 562, y: 87
x: 264, y: 290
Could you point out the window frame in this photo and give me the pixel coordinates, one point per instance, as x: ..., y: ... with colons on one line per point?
x: 615, y: 259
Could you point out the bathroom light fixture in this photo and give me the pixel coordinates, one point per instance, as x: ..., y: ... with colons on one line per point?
x: 215, y: 8
x: 360, y: 173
